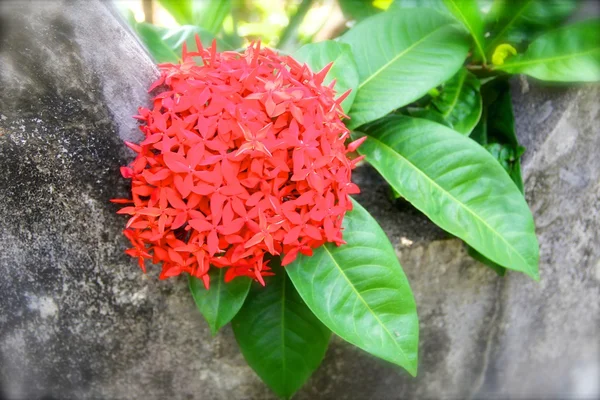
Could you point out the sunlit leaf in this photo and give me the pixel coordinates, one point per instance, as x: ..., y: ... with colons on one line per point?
x: 400, y: 55
x: 467, y: 12
x: 206, y: 14
x: 344, y: 69
x: 458, y: 185
x: 359, y: 291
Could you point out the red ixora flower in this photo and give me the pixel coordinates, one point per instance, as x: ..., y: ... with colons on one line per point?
x: 243, y: 155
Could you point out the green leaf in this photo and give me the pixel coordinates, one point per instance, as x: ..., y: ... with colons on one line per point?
x: 206, y: 14
x: 569, y: 54
x: 499, y: 269
x: 181, y: 10
x: 430, y: 114
x: 360, y: 291
x: 279, y: 336
x: 496, y: 133
x: 437, y: 5
x: 400, y: 56
x: 516, y: 22
x: 467, y: 12
x: 222, y: 301
x: 458, y: 185
x: 165, y: 45
x: 210, y: 14
x: 344, y: 69
x: 460, y: 101
x: 358, y: 9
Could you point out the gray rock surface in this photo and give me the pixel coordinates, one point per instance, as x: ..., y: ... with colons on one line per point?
x: 79, y: 320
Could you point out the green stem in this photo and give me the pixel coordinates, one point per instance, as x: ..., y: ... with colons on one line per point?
x: 291, y: 30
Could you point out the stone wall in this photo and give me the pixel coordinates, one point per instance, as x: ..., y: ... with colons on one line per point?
x: 79, y: 320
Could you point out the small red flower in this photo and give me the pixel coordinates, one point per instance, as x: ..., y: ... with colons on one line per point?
x: 243, y: 155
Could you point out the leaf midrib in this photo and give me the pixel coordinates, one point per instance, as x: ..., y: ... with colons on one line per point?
x: 508, y: 24
x: 397, y: 345
x: 455, y: 101
x: 545, y: 60
x: 496, y: 233
x: 398, y: 56
x: 472, y: 31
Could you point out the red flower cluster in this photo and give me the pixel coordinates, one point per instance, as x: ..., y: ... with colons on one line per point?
x: 243, y: 155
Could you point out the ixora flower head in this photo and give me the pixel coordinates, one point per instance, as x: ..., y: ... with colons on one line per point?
x: 243, y: 156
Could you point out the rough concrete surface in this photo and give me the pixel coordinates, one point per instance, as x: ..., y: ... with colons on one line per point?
x: 78, y: 320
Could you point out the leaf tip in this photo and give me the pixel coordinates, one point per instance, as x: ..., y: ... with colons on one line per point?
x: 534, y: 274
x: 214, y: 329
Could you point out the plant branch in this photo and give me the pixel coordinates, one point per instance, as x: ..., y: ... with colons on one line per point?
x: 291, y: 30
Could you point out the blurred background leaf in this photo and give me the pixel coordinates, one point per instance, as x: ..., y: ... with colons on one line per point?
x: 286, y: 24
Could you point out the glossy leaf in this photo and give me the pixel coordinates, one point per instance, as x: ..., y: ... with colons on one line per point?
x: 569, y: 54
x: 165, y: 45
x: 206, y: 14
x: 279, y: 336
x: 344, y: 69
x: 222, y: 301
x: 516, y: 22
x: 458, y: 185
x: 400, y: 56
x: 467, y: 12
x: 360, y: 291
x: 460, y: 101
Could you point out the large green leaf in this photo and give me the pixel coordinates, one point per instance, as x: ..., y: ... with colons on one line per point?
x: 360, y: 291
x: 467, y: 12
x: 400, y: 55
x: 222, y: 301
x: 516, y: 22
x: 458, y: 185
x: 460, y: 101
x: 279, y: 336
x: 569, y: 54
x: 206, y: 14
x: 344, y: 69
x: 165, y: 44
